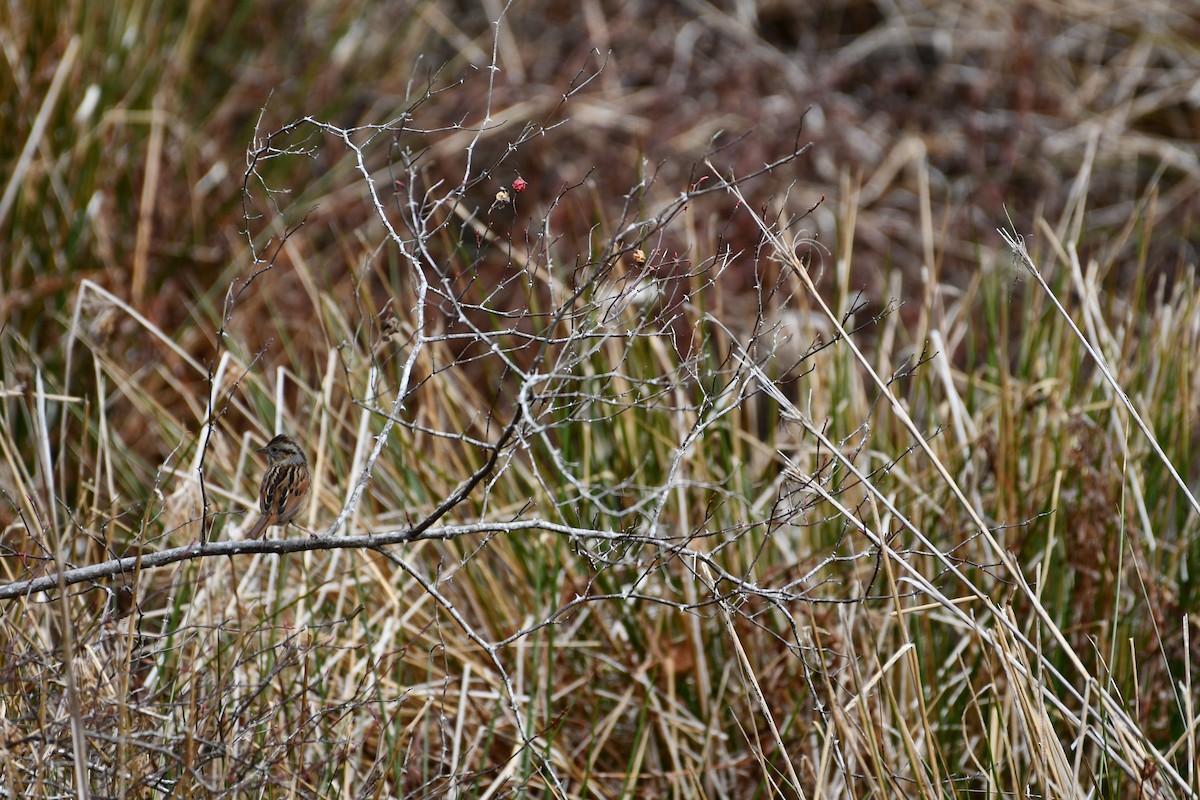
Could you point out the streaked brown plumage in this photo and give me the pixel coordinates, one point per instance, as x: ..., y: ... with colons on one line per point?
x: 285, y: 485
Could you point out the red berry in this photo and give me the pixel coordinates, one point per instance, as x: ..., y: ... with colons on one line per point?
x: 519, y: 185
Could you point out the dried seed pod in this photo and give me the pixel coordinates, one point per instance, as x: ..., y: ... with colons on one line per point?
x: 390, y: 326
x: 502, y: 198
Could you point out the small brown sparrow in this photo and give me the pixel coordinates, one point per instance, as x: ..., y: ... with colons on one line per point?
x: 285, y: 486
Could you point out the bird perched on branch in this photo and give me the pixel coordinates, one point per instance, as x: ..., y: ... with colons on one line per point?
x: 285, y: 486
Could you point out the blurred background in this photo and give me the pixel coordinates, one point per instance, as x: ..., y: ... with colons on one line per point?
x: 126, y: 125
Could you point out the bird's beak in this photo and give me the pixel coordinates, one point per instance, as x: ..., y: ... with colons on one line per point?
x: 262, y: 449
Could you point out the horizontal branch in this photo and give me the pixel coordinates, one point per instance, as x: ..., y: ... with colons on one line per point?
x: 118, y: 566
x: 663, y: 548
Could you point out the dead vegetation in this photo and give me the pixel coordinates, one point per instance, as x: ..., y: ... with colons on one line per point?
x: 680, y: 423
